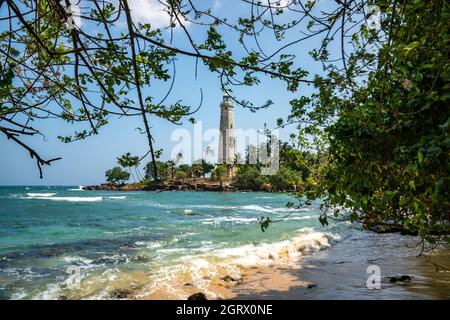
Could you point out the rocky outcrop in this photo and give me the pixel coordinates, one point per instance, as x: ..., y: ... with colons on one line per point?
x: 106, y: 187
x: 188, y: 184
x: 228, y: 279
x: 191, y: 185
x: 121, y: 293
x: 168, y: 185
x: 197, y: 296
x: 400, y: 279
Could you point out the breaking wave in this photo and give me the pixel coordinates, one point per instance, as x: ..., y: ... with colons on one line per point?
x: 117, y: 198
x: 218, y: 220
x: 80, y: 188
x: 207, y: 270
x: 40, y: 195
x: 69, y: 199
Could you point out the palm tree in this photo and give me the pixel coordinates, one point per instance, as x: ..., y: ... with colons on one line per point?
x: 135, y: 162
x: 178, y: 158
x: 197, y: 170
x: 124, y: 161
x: 208, y: 152
x: 129, y: 161
x: 172, y: 168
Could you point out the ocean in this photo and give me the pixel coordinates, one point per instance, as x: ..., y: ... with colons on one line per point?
x: 66, y: 243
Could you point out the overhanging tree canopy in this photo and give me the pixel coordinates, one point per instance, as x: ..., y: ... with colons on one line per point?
x: 377, y: 122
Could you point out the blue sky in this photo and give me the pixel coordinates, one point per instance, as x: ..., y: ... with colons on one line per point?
x: 84, y: 162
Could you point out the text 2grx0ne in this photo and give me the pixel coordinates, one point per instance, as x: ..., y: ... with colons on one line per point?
x: 232, y: 309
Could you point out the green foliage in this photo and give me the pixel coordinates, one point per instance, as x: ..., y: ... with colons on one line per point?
x: 197, y: 170
x: 218, y: 174
x: 264, y: 223
x: 107, y: 66
x: 386, y: 138
x: 293, y: 169
x: 248, y: 177
x: 186, y: 169
x: 206, y: 167
x: 117, y: 175
x: 129, y: 161
x: 285, y: 179
x: 181, y: 174
x: 164, y: 170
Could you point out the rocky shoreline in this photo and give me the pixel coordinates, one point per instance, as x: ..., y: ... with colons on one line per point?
x: 163, y: 186
x: 200, y: 184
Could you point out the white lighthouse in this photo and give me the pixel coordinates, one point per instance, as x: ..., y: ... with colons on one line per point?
x: 227, y: 140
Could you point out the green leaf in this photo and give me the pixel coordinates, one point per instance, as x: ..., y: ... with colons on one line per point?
x: 419, y: 157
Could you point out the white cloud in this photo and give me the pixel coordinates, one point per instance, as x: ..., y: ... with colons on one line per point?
x: 151, y: 11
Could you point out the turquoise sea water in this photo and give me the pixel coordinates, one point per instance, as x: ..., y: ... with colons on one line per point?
x: 63, y: 242
x: 108, y: 236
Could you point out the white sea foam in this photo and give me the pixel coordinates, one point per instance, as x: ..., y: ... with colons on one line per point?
x: 19, y: 294
x: 172, y: 250
x: 112, y: 259
x: 80, y: 188
x: 148, y: 244
x: 307, y: 241
x: 301, y: 217
x: 252, y: 207
x: 117, y: 198
x: 208, y: 206
x: 69, y: 199
x: 111, y: 274
x: 40, y: 195
x: 267, y: 254
x: 208, y: 267
x: 255, y: 207
x: 77, y: 259
x: 52, y: 292
x: 238, y: 220
x: 183, y: 236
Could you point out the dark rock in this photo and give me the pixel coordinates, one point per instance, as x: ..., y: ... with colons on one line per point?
x: 110, y: 260
x: 400, y: 279
x: 141, y: 258
x: 188, y: 284
x: 310, y: 286
x: 228, y: 279
x: 197, y: 296
x: 121, y: 293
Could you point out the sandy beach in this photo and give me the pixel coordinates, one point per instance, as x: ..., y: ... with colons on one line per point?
x: 338, y: 272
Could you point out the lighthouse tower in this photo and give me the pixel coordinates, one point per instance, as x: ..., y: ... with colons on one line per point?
x: 227, y: 140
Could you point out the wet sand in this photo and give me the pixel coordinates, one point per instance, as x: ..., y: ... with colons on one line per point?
x: 257, y: 280
x: 340, y: 272
x: 222, y: 275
